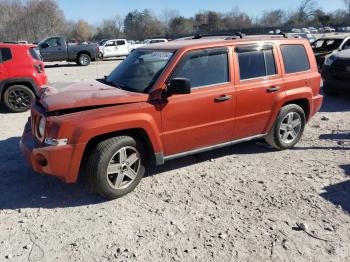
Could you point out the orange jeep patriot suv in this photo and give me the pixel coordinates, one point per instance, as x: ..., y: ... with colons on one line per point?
x: 170, y: 100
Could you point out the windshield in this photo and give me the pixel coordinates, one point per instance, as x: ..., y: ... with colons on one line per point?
x: 327, y: 44
x: 140, y: 70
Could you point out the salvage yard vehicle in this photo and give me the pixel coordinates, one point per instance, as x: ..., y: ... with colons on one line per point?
x: 57, y: 49
x: 326, y: 46
x: 336, y: 73
x: 22, y: 74
x: 114, y: 48
x: 171, y: 100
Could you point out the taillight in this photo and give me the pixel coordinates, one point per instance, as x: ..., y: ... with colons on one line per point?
x: 39, y: 68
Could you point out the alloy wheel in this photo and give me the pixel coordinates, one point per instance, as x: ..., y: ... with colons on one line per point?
x: 19, y: 99
x: 290, y: 127
x: 123, y: 167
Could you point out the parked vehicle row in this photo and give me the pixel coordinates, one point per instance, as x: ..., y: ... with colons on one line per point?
x: 313, y: 30
x: 311, y: 38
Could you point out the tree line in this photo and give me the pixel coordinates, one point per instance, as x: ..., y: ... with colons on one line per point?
x: 33, y: 20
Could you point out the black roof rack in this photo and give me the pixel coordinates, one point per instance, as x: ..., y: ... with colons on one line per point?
x: 199, y: 36
x: 238, y: 35
x: 283, y: 34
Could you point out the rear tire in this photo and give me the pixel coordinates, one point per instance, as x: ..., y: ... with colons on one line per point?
x: 288, y: 127
x: 18, y: 98
x: 83, y: 60
x: 116, y: 166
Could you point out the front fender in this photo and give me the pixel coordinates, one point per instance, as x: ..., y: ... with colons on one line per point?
x: 81, y: 127
x: 98, y: 127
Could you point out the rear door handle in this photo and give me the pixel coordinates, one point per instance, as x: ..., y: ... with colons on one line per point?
x: 223, y: 98
x: 273, y: 89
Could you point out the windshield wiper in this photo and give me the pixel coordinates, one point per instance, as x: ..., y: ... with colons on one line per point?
x: 115, y: 84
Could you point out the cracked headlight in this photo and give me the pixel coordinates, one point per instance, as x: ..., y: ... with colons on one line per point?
x: 41, y: 127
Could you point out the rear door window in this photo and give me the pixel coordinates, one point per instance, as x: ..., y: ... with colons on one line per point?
x: 110, y: 43
x: 295, y: 58
x: 120, y: 42
x: 256, y: 63
x: 6, y: 54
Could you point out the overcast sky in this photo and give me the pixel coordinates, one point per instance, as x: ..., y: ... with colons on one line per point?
x: 95, y: 11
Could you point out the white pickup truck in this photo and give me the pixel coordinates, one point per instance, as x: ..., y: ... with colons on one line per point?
x: 122, y: 47
x: 114, y: 48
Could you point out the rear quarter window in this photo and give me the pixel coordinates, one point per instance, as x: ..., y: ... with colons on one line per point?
x: 295, y: 58
x: 6, y: 54
x: 35, y: 53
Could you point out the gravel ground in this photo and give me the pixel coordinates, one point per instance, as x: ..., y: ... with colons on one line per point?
x: 241, y: 203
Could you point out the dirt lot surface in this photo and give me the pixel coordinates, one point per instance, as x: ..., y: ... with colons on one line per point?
x: 241, y: 203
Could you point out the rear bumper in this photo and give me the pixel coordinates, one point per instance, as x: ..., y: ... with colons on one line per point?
x: 60, y: 161
x: 41, y: 79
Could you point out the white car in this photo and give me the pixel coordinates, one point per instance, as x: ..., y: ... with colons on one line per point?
x: 155, y: 40
x: 328, y: 29
x: 114, y: 48
x: 313, y: 30
x: 296, y: 30
x: 148, y: 42
x: 305, y: 30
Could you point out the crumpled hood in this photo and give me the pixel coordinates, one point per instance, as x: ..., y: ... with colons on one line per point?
x: 344, y: 55
x: 60, y: 96
x: 322, y: 53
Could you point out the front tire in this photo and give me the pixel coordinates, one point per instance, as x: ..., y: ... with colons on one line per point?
x: 288, y: 127
x: 83, y: 60
x: 18, y: 98
x: 116, y: 166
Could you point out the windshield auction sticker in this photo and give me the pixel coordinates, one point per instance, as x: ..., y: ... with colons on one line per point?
x: 162, y: 55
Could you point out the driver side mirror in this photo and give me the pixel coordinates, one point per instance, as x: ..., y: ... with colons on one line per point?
x: 178, y: 86
x: 44, y: 45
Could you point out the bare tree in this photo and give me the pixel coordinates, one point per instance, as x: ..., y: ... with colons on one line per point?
x: 181, y: 26
x: 110, y: 28
x: 236, y: 20
x: 82, y: 31
x: 167, y: 16
x: 347, y: 5
x: 273, y: 18
x: 142, y: 24
x: 30, y: 20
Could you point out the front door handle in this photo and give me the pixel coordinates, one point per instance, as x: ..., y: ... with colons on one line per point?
x: 273, y: 89
x: 223, y: 98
